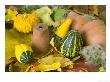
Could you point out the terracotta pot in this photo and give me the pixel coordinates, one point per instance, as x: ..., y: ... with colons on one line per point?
x: 40, y: 38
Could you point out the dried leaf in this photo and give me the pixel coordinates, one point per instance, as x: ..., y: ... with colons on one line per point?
x: 53, y: 59
x: 101, y: 69
x: 95, y: 10
x: 44, y: 67
x: 47, y: 60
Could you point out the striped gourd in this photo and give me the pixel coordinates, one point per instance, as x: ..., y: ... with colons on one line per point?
x: 72, y: 44
x: 60, y: 33
x: 23, y: 53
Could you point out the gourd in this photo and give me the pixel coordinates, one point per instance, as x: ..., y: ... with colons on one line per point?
x: 25, y: 22
x: 23, y: 53
x: 61, y: 31
x: 72, y: 44
x: 95, y: 55
x: 79, y: 21
x: 93, y: 30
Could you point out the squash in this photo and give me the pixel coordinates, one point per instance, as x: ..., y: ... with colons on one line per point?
x: 61, y: 32
x: 95, y: 55
x: 95, y: 33
x: 23, y: 53
x: 64, y: 28
x: 79, y: 21
x: 25, y: 22
x: 72, y: 44
x: 92, y: 30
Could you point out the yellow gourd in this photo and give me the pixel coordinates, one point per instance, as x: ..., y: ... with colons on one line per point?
x: 25, y: 22
x: 63, y: 29
x: 60, y: 33
x: 23, y: 53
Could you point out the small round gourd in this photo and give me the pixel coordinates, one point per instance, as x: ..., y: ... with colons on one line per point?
x: 23, y: 53
x: 72, y: 44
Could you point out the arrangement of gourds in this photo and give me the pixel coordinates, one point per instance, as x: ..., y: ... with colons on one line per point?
x: 73, y: 36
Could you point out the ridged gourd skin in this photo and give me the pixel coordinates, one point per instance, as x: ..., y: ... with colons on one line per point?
x: 23, y: 53
x: 72, y: 44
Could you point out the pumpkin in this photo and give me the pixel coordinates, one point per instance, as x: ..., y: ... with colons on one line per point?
x: 95, y: 33
x: 92, y: 30
x: 25, y: 22
x: 72, y: 44
x: 23, y: 53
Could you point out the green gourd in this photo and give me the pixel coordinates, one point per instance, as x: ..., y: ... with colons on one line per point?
x: 72, y: 44
x: 23, y: 53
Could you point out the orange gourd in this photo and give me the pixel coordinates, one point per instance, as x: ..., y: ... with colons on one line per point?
x: 94, y: 31
x: 79, y: 20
